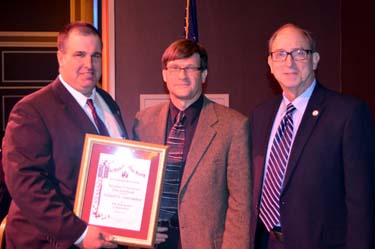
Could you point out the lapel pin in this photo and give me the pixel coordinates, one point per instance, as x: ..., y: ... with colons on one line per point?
x: 315, y: 113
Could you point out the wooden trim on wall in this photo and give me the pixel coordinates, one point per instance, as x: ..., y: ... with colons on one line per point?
x: 81, y: 10
x: 28, y: 39
x: 108, y: 36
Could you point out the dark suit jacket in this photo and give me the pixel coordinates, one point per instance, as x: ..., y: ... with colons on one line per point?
x: 4, y: 194
x: 214, y: 198
x: 42, y: 151
x: 327, y: 195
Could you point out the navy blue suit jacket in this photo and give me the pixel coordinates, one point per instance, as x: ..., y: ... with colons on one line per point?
x: 327, y: 198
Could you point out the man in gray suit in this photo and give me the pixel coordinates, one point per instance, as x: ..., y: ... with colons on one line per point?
x: 213, y: 194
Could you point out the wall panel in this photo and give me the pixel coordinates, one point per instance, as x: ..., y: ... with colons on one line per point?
x: 235, y: 34
x: 28, y: 32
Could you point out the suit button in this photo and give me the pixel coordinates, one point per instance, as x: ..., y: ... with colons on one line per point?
x: 283, y: 202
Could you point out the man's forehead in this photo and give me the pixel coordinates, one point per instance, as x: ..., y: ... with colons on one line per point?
x: 289, y: 37
x: 77, y: 43
x: 191, y: 59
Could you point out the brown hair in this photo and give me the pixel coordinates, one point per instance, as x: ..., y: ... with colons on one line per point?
x: 184, y: 48
x: 83, y: 28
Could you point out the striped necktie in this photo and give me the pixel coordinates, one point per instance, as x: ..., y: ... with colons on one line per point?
x: 98, y: 122
x: 277, y: 162
x: 174, y: 168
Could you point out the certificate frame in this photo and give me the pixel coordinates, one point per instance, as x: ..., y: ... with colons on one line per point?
x: 119, y: 188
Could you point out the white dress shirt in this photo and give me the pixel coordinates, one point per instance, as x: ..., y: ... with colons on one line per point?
x: 101, y: 107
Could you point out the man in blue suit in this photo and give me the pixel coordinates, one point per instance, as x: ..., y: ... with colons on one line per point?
x: 326, y: 196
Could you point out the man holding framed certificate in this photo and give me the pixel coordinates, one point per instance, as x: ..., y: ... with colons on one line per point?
x: 43, y: 145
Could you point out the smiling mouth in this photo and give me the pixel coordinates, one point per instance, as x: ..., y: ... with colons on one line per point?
x: 182, y: 84
x: 290, y: 73
x: 88, y: 73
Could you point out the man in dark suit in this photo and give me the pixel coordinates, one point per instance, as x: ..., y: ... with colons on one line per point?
x: 43, y: 145
x: 4, y: 194
x: 324, y: 197
x: 208, y: 204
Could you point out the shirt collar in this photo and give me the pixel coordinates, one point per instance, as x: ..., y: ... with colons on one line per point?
x: 191, y: 113
x: 301, y: 101
x: 79, y: 97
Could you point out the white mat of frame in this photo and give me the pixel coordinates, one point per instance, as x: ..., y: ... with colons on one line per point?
x: 146, y: 100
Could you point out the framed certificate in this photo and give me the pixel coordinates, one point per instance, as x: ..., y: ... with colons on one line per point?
x: 119, y: 188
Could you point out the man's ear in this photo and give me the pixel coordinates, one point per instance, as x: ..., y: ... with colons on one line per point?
x: 204, y: 76
x: 60, y: 57
x: 164, y: 73
x: 269, y: 61
x: 316, y: 58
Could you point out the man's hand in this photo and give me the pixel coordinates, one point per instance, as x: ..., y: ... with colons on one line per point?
x: 160, y: 235
x: 95, y: 238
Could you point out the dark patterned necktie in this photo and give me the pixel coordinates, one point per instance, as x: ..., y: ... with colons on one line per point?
x: 173, y: 173
x: 277, y: 162
x: 98, y: 122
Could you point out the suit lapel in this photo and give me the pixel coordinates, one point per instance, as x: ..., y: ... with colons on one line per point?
x: 313, y: 111
x: 72, y: 109
x: 269, y: 118
x: 263, y: 129
x: 203, y: 136
x: 115, y: 111
x: 160, y: 121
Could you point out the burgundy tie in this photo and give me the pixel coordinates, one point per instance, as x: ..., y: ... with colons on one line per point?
x: 99, y: 123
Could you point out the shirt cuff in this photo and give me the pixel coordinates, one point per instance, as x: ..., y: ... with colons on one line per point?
x: 79, y: 240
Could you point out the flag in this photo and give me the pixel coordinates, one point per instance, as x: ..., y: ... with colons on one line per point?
x: 191, y: 23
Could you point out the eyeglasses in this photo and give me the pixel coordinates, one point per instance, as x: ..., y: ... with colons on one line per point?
x: 188, y: 69
x: 296, y: 54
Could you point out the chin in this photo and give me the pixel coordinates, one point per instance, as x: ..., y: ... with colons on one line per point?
x: 89, y: 82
